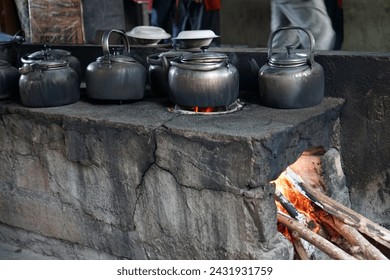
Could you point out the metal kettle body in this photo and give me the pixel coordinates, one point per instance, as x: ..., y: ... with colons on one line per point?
x: 203, y: 80
x: 158, y: 70
x: 293, y: 79
x: 114, y: 76
x: 48, y: 84
x: 9, y: 80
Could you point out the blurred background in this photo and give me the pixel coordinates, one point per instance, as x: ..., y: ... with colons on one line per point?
x: 243, y: 23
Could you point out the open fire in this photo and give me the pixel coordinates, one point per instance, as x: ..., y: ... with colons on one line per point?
x: 197, y: 109
x: 295, y: 203
x: 316, y: 224
x: 235, y: 106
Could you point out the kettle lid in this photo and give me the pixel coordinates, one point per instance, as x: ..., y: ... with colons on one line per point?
x: 47, y: 54
x: 51, y: 64
x: 173, y: 54
x: 116, y: 58
x: 204, y: 57
x: 289, y: 58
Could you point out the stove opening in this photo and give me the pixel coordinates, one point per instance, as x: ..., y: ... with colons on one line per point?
x: 235, y: 106
x: 317, y: 221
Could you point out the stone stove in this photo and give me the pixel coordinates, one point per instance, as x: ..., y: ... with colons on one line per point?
x: 90, y: 181
x: 136, y: 181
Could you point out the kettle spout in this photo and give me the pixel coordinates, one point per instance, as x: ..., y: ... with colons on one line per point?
x: 254, y: 66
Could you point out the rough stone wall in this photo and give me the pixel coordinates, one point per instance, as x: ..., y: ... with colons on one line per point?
x: 72, y: 181
x: 362, y: 80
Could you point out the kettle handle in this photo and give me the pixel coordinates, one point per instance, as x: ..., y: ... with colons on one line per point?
x: 311, y: 37
x: 106, y: 46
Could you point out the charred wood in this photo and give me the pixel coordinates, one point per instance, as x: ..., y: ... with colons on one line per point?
x: 288, y: 206
x: 350, y: 217
x: 321, y: 243
x: 345, y: 214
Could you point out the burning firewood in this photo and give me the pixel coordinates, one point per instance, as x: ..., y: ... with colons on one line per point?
x: 290, y: 208
x: 313, y: 238
x: 344, y: 232
x: 348, y: 216
x: 344, y: 220
x: 304, y: 249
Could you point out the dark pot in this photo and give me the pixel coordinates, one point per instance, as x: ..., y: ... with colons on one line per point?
x: 48, y: 84
x: 53, y: 54
x: 159, y: 65
x: 115, y: 76
x: 9, y: 46
x: 9, y: 80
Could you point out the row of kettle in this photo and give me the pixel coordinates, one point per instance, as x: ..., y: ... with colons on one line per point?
x: 52, y: 77
x: 201, y: 78
x: 187, y: 78
x: 289, y: 79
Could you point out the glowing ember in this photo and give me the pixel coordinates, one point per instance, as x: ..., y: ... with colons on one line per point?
x: 203, y: 109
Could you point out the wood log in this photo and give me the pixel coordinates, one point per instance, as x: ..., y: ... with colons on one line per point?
x: 354, y: 237
x: 302, y: 251
x: 337, y: 239
x: 350, y: 217
x: 321, y: 243
x: 299, y: 248
x: 345, y: 214
x: 288, y: 206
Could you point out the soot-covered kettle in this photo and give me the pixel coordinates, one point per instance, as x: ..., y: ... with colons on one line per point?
x: 115, y: 76
x: 48, y: 83
x: 9, y: 80
x: 53, y: 54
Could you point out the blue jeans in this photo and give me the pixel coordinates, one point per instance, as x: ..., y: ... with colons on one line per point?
x: 166, y: 15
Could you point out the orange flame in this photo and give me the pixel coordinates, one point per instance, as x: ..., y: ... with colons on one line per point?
x: 300, y: 202
x: 203, y: 109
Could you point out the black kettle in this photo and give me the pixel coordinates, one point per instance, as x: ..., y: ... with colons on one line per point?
x: 115, y: 76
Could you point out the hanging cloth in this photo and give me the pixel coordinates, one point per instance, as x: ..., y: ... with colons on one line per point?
x: 212, y: 5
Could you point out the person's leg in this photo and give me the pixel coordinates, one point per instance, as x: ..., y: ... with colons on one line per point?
x: 194, y: 14
x: 279, y: 20
x: 335, y: 12
x: 312, y: 15
x: 161, y: 13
